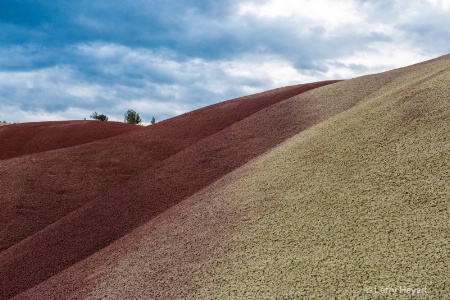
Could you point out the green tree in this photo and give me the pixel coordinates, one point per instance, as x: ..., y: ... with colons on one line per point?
x: 101, y: 117
x: 132, y: 117
x: 153, y: 120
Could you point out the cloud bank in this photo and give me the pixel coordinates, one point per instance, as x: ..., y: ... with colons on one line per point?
x: 63, y: 60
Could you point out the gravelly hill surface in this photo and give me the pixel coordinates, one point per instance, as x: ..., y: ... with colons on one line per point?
x: 30, y: 138
x: 94, y: 171
x: 39, y: 189
x: 342, y: 209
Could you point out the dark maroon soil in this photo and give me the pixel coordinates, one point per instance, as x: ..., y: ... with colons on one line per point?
x: 174, y: 159
x: 29, y: 138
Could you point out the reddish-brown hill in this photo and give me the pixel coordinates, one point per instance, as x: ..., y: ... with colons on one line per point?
x: 29, y: 138
x: 134, y: 202
x: 39, y: 189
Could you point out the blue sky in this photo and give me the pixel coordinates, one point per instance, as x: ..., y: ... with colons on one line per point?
x: 63, y: 60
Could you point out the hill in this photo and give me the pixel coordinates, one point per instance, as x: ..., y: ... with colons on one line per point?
x: 60, y: 181
x: 29, y: 138
x: 331, y: 193
x: 82, y: 173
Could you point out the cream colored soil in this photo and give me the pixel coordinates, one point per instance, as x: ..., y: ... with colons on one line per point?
x: 354, y: 205
x: 342, y: 210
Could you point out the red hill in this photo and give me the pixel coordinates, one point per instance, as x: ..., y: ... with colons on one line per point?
x: 29, y: 138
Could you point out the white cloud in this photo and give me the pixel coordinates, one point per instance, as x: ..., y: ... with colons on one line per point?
x: 212, y: 76
x: 275, y: 71
x: 13, y: 113
x: 154, y: 107
x: 317, y: 12
x: 193, y: 83
x: 384, y: 55
x: 260, y: 45
x: 377, y: 58
x: 85, y: 91
x: 442, y: 4
x: 47, y: 86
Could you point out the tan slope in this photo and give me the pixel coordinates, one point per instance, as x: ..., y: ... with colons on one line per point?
x: 353, y: 204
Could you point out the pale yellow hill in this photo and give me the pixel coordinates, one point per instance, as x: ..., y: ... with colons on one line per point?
x: 345, y: 209
x: 352, y: 206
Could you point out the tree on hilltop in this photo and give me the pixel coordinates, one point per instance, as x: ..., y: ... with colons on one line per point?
x: 132, y: 117
x: 101, y: 117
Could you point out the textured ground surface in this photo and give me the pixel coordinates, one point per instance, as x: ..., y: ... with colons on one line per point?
x: 39, y: 189
x: 30, y: 138
x: 117, y: 210
x: 352, y: 199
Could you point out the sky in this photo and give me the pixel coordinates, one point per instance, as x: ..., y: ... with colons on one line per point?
x: 63, y: 60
